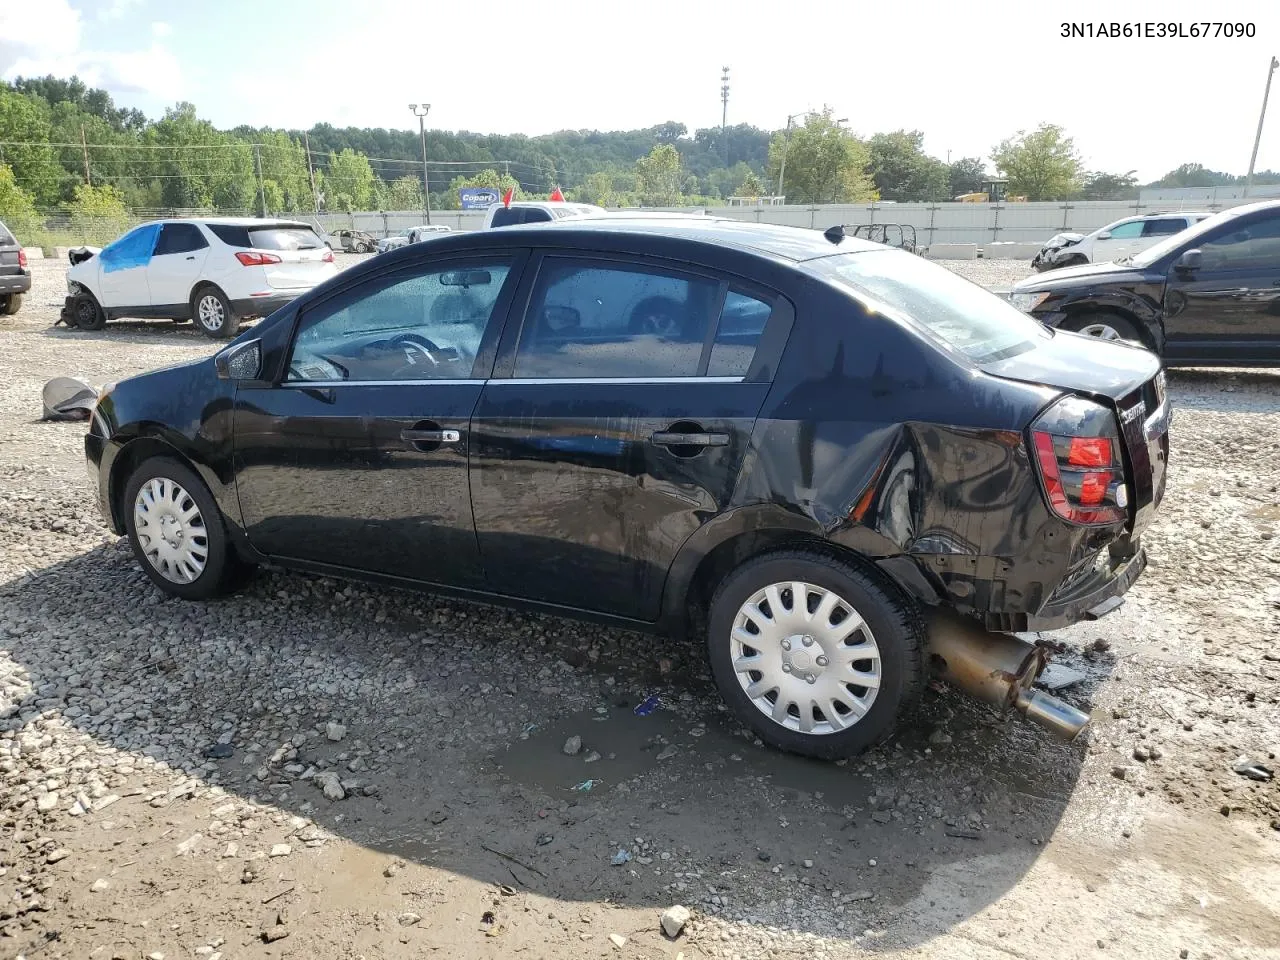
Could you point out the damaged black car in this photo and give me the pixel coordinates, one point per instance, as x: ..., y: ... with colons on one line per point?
x: 842, y: 466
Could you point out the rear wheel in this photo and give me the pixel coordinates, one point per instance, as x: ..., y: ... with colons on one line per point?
x: 11, y: 305
x: 176, y: 531
x: 1105, y: 326
x: 814, y: 655
x: 87, y: 313
x: 213, y: 314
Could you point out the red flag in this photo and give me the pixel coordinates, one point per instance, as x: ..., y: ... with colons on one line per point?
x: 506, y: 197
x: 557, y: 195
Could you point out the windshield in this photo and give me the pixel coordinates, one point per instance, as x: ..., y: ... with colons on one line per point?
x: 964, y: 316
x: 1186, y: 238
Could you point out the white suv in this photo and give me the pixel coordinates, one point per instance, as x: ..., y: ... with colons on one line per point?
x: 213, y: 271
x: 536, y: 211
x: 1123, y: 238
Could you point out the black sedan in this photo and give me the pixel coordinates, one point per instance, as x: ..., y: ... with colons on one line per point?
x: 839, y: 462
x: 1208, y: 296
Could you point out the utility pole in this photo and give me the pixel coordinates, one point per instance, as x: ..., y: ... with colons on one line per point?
x: 786, y: 142
x: 88, y: 179
x: 1271, y: 69
x: 311, y: 173
x: 426, y: 180
x: 724, y: 111
x: 262, y: 190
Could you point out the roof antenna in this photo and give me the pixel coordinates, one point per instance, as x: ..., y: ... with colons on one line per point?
x: 834, y: 234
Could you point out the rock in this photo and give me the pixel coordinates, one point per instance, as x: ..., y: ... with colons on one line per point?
x: 186, y: 845
x: 331, y: 784
x: 939, y: 736
x: 335, y: 732
x: 1120, y: 773
x: 281, y: 850
x: 572, y: 746
x: 1141, y: 754
x: 47, y: 802
x: 272, y: 934
x: 591, y: 757
x: 668, y: 752
x: 881, y: 816
x: 408, y: 919
x: 100, y: 885
x: 673, y: 920
x: 807, y: 864
x: 156, y: 955
x: 57, y: 855
x: 230, y: 850
x: 618, y: 940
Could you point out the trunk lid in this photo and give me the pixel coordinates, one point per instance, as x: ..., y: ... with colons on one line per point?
x: 298, y: 268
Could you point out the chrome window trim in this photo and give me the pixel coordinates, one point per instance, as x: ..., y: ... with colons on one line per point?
x: 374, y: 383
x: 520, y: 381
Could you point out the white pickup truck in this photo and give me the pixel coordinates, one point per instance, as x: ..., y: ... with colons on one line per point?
x: 536, y: 211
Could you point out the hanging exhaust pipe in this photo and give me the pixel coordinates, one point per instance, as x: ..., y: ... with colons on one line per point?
x: 998, y: 669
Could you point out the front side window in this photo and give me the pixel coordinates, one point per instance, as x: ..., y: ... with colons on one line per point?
x: 597, y: 319
x: 965, y: 317
x: 1127, y: 231
x: 426, y: 325
x: 132, y: 250
x: 1245, y: 247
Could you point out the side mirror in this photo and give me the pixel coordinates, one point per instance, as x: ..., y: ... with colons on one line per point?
x: 1105, y: 235
x: 241, y: 362
x: 1190, y: 260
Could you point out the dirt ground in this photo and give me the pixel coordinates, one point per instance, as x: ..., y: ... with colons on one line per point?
x: 318, y: 769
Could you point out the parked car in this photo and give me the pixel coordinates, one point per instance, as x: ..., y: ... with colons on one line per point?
x: 840, y: 462
x: 351, y: 241
x: 536, y: 211
x: 1122, y: 238
x: 411, y: 235
x: 216, y: 272
x: 1207, y: 296
x: 15, y: 274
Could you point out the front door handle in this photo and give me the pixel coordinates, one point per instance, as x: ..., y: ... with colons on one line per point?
x: 191, y: 258
x: 665, y: 439
x: 431, y: 436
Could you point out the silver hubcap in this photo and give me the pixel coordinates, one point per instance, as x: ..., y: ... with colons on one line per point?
x: 210, y: 312
x: 805, y: 657
x: 1102, y: 331
x: 171, y: 530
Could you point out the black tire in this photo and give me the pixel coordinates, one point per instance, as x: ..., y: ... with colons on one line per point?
x: 88, y: 315
x: 220, y: 321
x: 1092, y: 320
x: 12, y: 304
x: 893, y: 621
x: 221, y: 569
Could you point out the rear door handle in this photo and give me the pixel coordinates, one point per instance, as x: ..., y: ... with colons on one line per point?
x: 664, y: 439
x: 431, y: 436
x: 191, y: 257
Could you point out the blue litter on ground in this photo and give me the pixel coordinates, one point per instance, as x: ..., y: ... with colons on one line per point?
x: 647, y: 705
x: 619, y: 858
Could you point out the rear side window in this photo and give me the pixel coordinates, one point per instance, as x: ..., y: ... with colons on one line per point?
x: 179, y: 238
x: 742, y: 322
x: 962, y: 315
x: 511, y: 216
x: 598, y: 320
x: 1165, y: 227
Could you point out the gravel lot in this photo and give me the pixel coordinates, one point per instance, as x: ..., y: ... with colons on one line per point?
x: 318, y: 769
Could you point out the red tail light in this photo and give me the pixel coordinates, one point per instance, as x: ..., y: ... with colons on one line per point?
x: 328, y: 256
x: 251, y: 259
x: 22, y: 258
x: 1077, y: 448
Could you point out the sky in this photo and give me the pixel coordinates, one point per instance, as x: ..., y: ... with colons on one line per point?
x: 967, y: 74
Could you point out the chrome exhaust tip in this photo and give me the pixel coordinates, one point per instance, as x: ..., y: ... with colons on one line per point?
x: 999, y: 669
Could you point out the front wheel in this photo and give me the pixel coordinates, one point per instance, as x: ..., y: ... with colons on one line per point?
x: 813, y: 655
x: 89, y: 316
x: 1104, y: 326
x: 213, y: 314
x: 176, y: 531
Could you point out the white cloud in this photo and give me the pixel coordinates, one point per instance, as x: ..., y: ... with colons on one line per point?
x: 161, y: 29
x: 47, y: 37
x: 117, y: 9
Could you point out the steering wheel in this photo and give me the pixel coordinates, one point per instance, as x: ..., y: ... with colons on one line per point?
x: 413, y: 343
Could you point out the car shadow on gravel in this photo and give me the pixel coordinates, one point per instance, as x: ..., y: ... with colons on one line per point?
x: 139, y: 331
x: 455, y: 719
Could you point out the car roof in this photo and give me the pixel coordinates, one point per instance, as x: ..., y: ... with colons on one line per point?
x: 788, y: 243
x: 260, y: 222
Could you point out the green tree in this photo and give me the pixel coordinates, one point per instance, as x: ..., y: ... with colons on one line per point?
x: 284, y: 161
x: 24, y: 122
x: 403, y: 193
x: 98, y: 213
x: 1109, y: 186
x: 825, y: 164
x: 1040, y: 165
x: 17, y: 206
x: 348, y: 181
x: 201, y: 168
x: 903, y: 171
x: 965, y: 176
x: 658, y: 177
x: 275, y: 201
x: 750, y: 186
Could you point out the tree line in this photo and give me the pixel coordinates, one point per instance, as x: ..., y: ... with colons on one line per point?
x: 67, y: 147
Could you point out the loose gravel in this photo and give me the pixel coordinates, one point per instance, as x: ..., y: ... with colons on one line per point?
x: 316, y: 768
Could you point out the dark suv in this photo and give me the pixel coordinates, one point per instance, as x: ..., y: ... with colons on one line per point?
x: 1207, y: 296
x: 842, y: 463
x: 15, y: 275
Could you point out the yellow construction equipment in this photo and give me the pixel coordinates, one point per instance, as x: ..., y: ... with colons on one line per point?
x: 993, y: 191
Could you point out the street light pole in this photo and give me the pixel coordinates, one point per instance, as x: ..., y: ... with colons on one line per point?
x: 786, y: 142
x: 1271, y: 69
x: 426, y: 179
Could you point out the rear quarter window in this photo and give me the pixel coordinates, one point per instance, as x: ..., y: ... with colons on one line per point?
x: 6, y: 238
